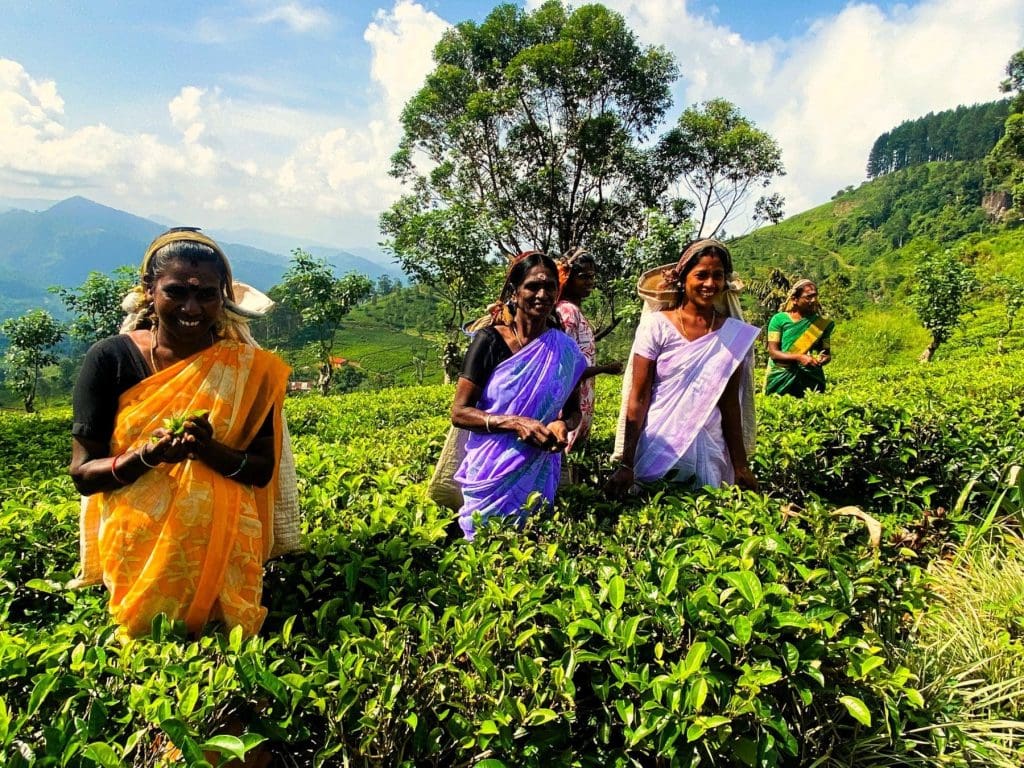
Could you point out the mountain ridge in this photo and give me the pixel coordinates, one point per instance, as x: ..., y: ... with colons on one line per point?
x: 62, y: 244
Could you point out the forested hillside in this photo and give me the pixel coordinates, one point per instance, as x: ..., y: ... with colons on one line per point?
x: 964, y: 133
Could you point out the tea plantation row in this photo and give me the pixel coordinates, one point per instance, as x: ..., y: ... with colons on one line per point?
x: 719, y: 628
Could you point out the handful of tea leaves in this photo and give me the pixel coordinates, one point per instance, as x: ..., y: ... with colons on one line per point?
x: 176, y: 424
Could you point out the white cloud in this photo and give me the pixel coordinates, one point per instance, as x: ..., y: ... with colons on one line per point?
x: 186, y: 112
x: 29, y: 108
x: 402, y: 41
x: 223, y: 161
x: 296, y: 16
x: 828, y: 94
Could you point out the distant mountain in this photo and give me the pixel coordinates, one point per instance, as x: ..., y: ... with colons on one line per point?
x: 62, y: 244
x: 24, y: 204
x: 370, y: 261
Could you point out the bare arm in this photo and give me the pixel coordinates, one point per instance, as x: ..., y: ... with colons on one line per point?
x: 636, y: 414
x: 732, y: 428
x: 94, y: 470
x: 466, y: 415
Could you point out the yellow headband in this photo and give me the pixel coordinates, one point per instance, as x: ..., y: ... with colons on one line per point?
x: 185, y: 234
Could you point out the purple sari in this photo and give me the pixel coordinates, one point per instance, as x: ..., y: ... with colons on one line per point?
x: 499, y: 471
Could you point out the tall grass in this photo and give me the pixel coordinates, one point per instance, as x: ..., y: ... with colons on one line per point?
x: 968, y: 648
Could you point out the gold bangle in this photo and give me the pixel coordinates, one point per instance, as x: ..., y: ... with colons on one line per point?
x: 113, y: 470
x: 487, y: 422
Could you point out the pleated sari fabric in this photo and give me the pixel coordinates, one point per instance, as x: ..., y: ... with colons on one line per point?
x: 182, y: 539
x: 499, y: 472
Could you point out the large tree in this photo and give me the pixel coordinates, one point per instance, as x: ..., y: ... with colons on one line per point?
x: 321, y: 299
x: 31, y: 338
x: 532, y: 126
x: 721, y: 157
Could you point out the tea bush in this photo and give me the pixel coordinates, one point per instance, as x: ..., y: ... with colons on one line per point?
x: 717, y: 628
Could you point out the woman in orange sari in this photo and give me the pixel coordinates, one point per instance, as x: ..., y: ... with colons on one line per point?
x: 177, y: 439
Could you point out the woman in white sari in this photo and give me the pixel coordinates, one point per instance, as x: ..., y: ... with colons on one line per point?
x: 687, y: 401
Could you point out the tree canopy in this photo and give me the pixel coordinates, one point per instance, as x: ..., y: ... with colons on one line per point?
x: 533, y: 121
x: 96, y: 303
x: 530, y: 130
x: 964, y: 133
x: 720, y: 157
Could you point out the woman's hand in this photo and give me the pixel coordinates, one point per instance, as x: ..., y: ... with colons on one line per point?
x: 174, y: 447
x: 559, y: 436
x: 532, y: 431
x: 198, y: 433
x: 745, y: 478
x: 620, y: 482
x: 165, y: 447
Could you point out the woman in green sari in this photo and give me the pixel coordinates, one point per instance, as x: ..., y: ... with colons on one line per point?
x: 798, y: 344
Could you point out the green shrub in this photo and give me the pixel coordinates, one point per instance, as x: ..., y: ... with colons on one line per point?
x: 719, y: 628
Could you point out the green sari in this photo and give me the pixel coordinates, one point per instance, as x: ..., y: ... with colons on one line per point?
x: 798, y: 337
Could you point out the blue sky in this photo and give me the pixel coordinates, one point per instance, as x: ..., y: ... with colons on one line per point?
x: 281, y: 116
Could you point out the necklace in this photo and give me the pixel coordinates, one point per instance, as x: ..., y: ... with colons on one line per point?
x: 152, y: 348
x: 515, y: 333
x: 682, y: 325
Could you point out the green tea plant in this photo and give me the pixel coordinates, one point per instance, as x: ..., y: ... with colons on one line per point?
x: 676, y: 629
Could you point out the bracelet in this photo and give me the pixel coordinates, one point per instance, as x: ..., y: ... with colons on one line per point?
x: 142, y: 458
x: 245, y: 460
x: 620, y: 465
x: 113, y: 469
x: 487, y: 422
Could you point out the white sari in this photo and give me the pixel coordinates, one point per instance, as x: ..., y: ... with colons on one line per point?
x: 682, y: 438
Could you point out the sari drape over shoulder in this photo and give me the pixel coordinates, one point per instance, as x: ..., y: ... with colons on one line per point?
x: 183, y: 539
x: 798, y: 337
x: 499, y: 471
x: 682, y: 437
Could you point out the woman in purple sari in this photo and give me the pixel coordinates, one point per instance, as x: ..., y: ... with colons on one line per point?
x: 518, y: 397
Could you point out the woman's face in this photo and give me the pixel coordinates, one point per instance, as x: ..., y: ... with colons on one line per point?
x: 705, y: 281
x: 536, y: 294
x: 187, y: 301
x: 805, y: 302
x: 581, y: 284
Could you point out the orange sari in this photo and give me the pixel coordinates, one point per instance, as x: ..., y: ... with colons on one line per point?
x: 182, y: 539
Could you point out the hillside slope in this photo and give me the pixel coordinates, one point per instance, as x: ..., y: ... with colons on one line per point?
x: 873, y: 233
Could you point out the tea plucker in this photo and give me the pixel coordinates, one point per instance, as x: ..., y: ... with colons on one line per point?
x: 177, y: 439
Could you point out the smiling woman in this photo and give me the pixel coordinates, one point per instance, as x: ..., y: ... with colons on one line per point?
x: 686, y: 412
x: 518, y: 396
x: 177, y: 440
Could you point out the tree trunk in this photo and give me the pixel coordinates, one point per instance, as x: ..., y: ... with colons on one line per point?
x: 926, y: 356
x: 323, y: 381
